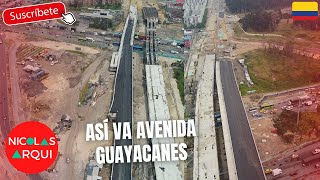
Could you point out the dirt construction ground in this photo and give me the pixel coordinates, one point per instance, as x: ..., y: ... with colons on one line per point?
x: 48, y: 99
x: 266, y: 140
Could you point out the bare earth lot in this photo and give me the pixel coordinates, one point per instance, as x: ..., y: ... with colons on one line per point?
x: 48, y: 99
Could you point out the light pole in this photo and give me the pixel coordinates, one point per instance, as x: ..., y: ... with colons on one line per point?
x: 299, y: 108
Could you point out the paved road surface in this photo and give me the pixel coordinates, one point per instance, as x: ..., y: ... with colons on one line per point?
x: 247, y: 159
x: 289, y: 165
x: 123, y: 101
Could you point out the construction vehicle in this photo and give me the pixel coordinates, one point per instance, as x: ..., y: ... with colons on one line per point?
x: 39, y: 75
x: 267, y: 171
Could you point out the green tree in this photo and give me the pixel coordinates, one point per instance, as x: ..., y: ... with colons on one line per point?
x: 241, y: 6
x: 103, y: 24
x: 261, y: 21
x: 287, y: 121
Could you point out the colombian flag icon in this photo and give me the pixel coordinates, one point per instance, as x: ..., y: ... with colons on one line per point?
x: 304, y: 10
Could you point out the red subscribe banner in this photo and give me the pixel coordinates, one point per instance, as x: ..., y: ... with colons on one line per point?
x: 34, y: 13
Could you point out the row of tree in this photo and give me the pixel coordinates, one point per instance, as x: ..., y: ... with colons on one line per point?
x: 260, y: 21
x: 104, y: 24
x: 242, y: 6
x: 288, y: 126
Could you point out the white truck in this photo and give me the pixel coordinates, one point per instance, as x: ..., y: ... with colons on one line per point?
x: 89, y: 39
x: 276, y: 172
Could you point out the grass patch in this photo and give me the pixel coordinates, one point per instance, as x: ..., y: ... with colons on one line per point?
x: 244, y: 88
x: 238, y: 31
x: 286, y: 28
x: 84, y: 91
x: 275, y: 72
x: 103, y: 24
x: 179, y: 75
x: 116, y: 6
x: 239, y: 34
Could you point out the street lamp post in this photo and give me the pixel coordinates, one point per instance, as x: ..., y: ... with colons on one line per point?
x: 298, y: 119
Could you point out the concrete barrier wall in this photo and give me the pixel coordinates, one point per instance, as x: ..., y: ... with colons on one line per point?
x: 255, y: 145
x: 232, y: 169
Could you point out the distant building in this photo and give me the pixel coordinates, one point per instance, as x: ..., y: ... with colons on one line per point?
x: 96, y: 2
x: 111, y: 1
x: 194, y: 11
x: 10, y: 3
x: 175, y: 11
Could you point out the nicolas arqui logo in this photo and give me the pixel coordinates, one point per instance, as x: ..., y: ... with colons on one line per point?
x: 31, y: 147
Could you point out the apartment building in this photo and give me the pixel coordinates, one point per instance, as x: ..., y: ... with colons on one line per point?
x: 95, y: 2
x: 194, y: 11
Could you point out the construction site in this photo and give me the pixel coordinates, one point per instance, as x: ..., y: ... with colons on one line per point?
x: 156, y: 96
x: 64, y: 86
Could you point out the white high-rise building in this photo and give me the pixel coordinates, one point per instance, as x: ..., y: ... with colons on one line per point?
x: 194, y: 11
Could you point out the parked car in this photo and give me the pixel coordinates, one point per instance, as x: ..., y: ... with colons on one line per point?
x: 289, y: 108
x: 316, y: 151
x: 256, y: 114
